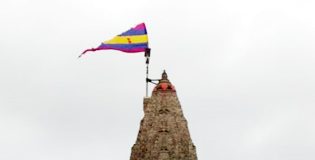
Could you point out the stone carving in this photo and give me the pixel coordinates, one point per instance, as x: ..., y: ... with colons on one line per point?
x: 163, y: 133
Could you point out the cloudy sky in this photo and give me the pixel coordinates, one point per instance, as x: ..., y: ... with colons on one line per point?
x: 244, y: 72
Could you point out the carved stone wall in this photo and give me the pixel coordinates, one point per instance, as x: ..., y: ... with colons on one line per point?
x: 163, y: 133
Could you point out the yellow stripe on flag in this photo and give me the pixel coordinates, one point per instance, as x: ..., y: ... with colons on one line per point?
x: 128, y: 39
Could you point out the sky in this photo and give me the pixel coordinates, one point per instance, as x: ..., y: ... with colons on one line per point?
x: 244, y: 73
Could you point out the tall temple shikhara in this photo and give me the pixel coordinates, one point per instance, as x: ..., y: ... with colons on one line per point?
x: 163, y: 133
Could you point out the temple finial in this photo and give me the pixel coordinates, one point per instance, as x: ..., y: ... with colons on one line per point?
x: 164, y: 75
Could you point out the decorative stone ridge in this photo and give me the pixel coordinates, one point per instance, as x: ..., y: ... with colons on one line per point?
x: 163, y: 133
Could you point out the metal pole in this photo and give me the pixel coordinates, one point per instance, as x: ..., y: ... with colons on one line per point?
x: 147, y: 56
x: 147, y: 76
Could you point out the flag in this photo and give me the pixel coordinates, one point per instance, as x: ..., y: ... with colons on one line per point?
x: 132, y: 41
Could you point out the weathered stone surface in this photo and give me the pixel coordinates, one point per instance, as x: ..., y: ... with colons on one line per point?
x: 163, y: 133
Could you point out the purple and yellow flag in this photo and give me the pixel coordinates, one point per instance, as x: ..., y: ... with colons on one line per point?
x: 132, y: 41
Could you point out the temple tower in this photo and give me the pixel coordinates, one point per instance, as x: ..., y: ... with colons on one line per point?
x: 163, y: 133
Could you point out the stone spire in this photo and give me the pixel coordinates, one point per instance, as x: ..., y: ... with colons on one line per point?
x: 163, y: 133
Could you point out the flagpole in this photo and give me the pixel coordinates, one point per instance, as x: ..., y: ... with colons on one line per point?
x: 147, y: 56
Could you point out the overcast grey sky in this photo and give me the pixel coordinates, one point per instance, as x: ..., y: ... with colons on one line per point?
x: 244, y: 72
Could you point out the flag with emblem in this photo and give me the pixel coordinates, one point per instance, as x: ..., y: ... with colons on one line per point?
x: 132, y: 41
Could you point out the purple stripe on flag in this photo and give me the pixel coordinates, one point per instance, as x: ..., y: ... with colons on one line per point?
x: 128, y: 48
x: 124, y: 46
x: 133, y: 50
